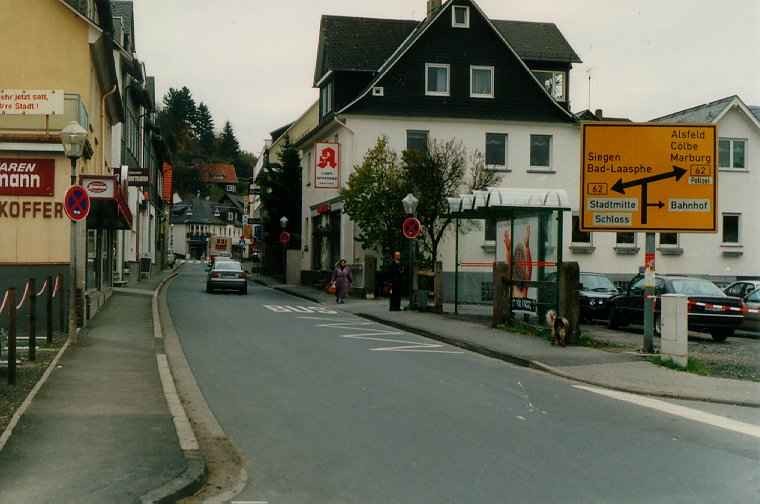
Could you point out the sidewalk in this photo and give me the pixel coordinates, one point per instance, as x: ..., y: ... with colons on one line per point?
x: 100, y: 429
x: 621, y: 371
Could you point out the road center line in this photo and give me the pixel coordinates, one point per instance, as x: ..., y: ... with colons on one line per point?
x: 679, y: 411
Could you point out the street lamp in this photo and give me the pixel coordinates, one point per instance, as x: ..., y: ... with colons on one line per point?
x: 284, y: 225
x: 73, y: 138
x: 410, y: 203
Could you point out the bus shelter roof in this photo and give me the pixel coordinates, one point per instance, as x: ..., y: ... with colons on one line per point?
x: 498, y: 202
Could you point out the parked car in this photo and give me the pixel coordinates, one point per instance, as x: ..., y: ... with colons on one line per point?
x: 227, y: 275
x: 595, y: 294
x: 742, y: 288
x: 710, y: 309
x: 752, y: 316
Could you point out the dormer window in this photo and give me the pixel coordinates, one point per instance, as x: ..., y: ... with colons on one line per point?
x: 437, y: 81
x: 460, y: 16
x: 554, y: 82
x: 326, y: 96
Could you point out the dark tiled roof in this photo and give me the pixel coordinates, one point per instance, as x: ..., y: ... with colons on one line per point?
x: 202, y: 212
x: 279, y: 131
x: 755, y: 109
x: 125, y: 10
x: 588, y: 115
x: 537, y: 41
x: 364, y: 44
x: 219, y: 173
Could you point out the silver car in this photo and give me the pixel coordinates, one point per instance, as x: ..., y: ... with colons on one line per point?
x: 227, y: 275
x: 752, y: 317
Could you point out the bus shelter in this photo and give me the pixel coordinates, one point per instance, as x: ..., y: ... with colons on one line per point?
x: 524, y: 255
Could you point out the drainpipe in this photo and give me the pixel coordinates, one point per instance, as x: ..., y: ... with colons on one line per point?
x: 103, y: 120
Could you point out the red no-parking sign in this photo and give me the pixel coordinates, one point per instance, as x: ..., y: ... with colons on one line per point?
x: 411, y: 228
x: 284, y: 237
x: 76, y: 203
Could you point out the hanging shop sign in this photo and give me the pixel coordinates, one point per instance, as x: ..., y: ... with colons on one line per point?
x: 139, y: 178
x: 31, y: 101
x: 327, y: 166
x: 27, y: 177
x: 98, y: 187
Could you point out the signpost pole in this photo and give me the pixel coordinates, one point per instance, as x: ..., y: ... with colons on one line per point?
x: 73, y: 268
x: 649, y: 292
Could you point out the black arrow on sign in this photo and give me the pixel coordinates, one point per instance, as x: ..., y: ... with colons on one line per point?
x: 621, y: 186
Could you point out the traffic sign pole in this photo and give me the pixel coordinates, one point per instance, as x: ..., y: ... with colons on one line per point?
x: 649, y: 293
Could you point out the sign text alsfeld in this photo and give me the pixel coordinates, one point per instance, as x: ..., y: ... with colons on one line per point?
x: 649, y: 177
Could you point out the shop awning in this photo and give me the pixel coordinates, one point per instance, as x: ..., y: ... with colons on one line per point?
x: 109, y: 209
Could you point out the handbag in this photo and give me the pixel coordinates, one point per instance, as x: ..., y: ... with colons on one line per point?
x: 331, y: 289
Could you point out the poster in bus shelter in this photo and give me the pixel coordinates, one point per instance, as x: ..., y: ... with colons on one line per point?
x: 520, y: 250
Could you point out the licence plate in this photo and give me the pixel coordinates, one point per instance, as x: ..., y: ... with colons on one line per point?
x: 714, y: 308
x: 229, y: 275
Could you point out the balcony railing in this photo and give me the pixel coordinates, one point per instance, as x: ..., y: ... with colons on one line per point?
x: 73, y: 110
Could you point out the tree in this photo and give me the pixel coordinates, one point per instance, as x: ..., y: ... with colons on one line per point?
x: 372, y: 198
x: 229, y: 147
x: 203, y: 126
x: 443, y: 171
x: 280, y: 185
x: 177, y: 118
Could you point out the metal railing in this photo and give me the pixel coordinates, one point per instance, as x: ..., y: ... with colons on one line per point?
x: 10, y: 307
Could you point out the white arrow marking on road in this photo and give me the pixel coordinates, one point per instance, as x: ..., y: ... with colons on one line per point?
x: 407, y: 346
x: 679, y: 411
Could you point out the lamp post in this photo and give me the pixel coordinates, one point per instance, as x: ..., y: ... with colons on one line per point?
x: 410, y: 203
x: 73, y: 138
x: 284, y: 226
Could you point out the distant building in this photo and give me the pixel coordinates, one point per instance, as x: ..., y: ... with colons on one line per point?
x: 195, y: 220
x: 219, y: 174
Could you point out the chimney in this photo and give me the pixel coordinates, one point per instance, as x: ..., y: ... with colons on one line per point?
x: 432, y: 7
x: 598, y: 114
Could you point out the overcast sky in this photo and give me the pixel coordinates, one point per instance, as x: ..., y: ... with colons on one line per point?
x: 252, y: 61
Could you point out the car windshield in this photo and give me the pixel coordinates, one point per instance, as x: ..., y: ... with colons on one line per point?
x: 754, y: 297
x: 597, y: 283
x: 696, y: 287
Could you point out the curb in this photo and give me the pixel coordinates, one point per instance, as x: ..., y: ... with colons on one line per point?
x: 194, y: 476
x: 287, y: 291
x: 8, y: 432
x: 540, y: 366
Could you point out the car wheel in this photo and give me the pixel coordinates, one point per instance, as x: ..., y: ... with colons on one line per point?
x: 720, y: 335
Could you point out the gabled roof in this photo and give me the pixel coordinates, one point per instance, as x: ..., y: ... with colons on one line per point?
x: 598, y: 115
x: 280, y: 131
x: 201, y: 210
x: 219, y: 173
x: 365, y: 44
x: 236, y: 200
x: 712, y: 112
x: 420, y: 31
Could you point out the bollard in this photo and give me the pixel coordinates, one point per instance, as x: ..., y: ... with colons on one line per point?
x: 674, y: 321
x: 11, y: 336
x: 32, y: 320
x: 49, y: 320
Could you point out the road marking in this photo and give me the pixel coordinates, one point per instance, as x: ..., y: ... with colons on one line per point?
x: 679, y: 411
x: 411, y: 346
x: 300, y: 309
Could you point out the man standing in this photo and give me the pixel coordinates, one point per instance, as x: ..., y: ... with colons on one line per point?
x: 396, y: 273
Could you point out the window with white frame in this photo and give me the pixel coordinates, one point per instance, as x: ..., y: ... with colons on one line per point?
x: 625, y: 239
x: 460, y: 16
x: 732, y: 154
x: 732, y: 228
x: 496, y: 151
x: 326, y: 98
x: 668, y: 239
x: 553, y: 81
x: 481, y: 82
x: 580, y: 237
x: 540, y: 152
x: 437, y: 79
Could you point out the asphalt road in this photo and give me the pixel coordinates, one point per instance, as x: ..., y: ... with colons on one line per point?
x: 329, y: 408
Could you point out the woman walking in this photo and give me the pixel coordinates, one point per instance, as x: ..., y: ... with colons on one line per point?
x: 342, y: 280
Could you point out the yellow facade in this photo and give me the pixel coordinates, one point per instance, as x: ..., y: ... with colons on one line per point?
x: 307, y: 122
x: 47, y: 46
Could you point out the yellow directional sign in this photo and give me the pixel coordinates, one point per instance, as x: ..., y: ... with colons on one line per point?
x: 649, y: 177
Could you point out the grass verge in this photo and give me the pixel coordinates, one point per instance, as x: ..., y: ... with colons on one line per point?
x: 694, y: 366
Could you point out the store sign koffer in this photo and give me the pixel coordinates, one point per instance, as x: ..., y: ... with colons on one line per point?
x: 31, y: 101
x: 27, y: 177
